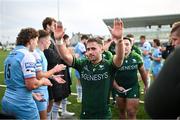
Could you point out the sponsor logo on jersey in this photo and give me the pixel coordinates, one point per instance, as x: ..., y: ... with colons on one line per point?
x: 101, y: 67
x: 129, y: 67
x: 134, y: 60
x: 86, y: 68
x: 29, y: 65
x: 94, y: 77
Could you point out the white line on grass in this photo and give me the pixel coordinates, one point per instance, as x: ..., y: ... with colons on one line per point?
x: 3, y: 86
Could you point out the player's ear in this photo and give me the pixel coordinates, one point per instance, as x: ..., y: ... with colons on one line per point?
x: 101, y: 47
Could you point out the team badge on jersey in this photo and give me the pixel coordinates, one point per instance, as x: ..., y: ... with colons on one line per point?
x: 134, y: 60
x: 29, y: 65
x: 101, y: 67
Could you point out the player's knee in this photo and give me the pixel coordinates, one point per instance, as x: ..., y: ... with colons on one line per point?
x: 131, y: 113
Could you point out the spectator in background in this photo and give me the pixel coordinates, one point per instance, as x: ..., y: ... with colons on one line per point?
x: 156, y: 58
x: 146, y: 52
x: 167, y: 49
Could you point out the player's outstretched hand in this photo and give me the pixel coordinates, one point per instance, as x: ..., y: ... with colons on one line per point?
x: 59, y: 31
x: 58, y: 68
x: 117, y: 30
x: 58, y: 79
x: 38, y: 97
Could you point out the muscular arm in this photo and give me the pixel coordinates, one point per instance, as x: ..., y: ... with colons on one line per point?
x: 156, y: 59
x: 145, y: 52
x: 33, y: 83
x: 119, y: 57
x: 57, y: 68
x: 117, y: 87
x: 143, y: 75
x: 63, y: 50
x: 117, y: 35
x: 65, y: 54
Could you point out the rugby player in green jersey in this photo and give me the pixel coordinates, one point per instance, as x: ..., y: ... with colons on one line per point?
x: 95, y: 72
x: 134, y: 47
x: 126, y: 82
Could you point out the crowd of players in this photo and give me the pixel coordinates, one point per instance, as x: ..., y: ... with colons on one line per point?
x: 37, y: 72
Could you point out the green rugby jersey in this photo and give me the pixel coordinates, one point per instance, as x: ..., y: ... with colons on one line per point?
x: 126, y: 75
x: 95, y: 81
x: 137, y: 50
x: 107, y: 55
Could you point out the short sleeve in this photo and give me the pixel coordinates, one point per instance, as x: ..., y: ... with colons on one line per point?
x: 78, y: 63
x: 28, y: 65
x: 38, y: 65
x: 139, y: 60
x: 159, y: 54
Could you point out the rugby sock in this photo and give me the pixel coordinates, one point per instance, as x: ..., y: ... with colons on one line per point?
x: 149, y: 81
x: 79, y: 91
x: 49, y: 115
x: 64, y: 104
x: 162, y: 99
x: 55, y: 111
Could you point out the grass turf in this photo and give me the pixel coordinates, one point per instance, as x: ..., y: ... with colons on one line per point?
x: 74, y: 107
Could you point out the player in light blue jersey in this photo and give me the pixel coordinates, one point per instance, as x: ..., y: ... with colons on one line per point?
x: 156, y: 58
x: 79, y: 50
x: 146, y: 51
x: 41, y: 71
x: 20, y: 77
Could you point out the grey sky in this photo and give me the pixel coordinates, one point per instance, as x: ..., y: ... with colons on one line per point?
x: 83, y: 16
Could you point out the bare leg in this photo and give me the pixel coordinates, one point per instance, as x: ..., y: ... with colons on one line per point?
x: 43, y: 115
x: 121, y: 103
x: 50, y: 105
x: 132, y: 107
x: 49, y: 108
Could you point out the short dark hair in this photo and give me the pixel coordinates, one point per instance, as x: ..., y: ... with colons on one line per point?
x: 43, y: 33
x: 65, y: 36
x: 142, y: 37
x: 25, y: 35
x: 157, y: 41
x: 176, y: 28
x: 84, y: 37
x: 127, y: 38
x: 98, y: 41
x: 130, y: 35
x: 47, y: 21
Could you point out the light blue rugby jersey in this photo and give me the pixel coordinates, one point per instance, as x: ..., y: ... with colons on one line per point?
x: 80, y: 49
x: 146, y: 47
x: 44, y: 62
x: 157, y: 54
x: 19, y: 64
x: 41, y: 64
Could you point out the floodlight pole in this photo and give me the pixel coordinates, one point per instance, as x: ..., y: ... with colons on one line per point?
x: 58, y: 9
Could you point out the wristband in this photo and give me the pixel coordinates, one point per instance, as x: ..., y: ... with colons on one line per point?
x: 59, y: 42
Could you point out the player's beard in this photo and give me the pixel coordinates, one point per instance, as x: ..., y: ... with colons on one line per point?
x: 92, y: 58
